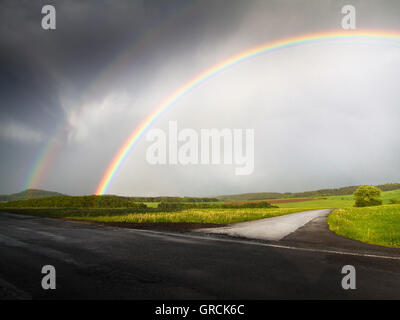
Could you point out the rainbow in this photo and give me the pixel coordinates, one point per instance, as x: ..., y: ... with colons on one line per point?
x: 133, y: 138
x: 45, y: 157
x: 49, y: 151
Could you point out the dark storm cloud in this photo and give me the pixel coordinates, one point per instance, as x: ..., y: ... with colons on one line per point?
x: 24, y: 87
x: 35, y: 63
x: 47, y: 75
x: 88, y: 36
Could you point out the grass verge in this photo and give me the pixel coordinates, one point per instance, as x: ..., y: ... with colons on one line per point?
x: 374, y: 225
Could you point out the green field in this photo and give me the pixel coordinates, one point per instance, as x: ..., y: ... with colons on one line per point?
x: 375, y: 225
x: 151, y: 204
x: 345, y: 201
x: 319, y: 204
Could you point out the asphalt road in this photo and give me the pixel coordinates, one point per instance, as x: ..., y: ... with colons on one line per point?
x: 275, y: 228
x: 98, y: 262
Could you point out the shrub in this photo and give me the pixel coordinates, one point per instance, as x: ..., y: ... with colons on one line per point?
x: 366, y: 196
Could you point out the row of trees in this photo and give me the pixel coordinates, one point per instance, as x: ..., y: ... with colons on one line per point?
x: 124, y: 202
x: 168, y: 199
x: 75, y: 202
x: 114, y: 202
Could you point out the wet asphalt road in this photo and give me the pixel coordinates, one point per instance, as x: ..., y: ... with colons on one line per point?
x: 97, y: 262
x: 275, y: 228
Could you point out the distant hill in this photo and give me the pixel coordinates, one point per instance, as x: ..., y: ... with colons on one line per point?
x: 29, y: 194
x: 306, y: 194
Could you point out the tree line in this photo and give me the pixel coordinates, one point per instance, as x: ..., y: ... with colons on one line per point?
x: 125, y: 202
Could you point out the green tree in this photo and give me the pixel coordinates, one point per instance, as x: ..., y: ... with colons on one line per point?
x: 366, y: 196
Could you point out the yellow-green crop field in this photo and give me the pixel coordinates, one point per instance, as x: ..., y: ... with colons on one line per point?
x: 218, y: 216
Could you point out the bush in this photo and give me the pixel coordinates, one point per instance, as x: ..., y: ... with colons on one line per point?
x: 366, y: 196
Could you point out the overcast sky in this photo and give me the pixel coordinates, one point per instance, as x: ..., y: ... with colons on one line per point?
x: 324, y: 115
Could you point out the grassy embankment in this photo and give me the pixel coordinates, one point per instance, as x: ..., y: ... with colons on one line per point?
x: 378, y: 225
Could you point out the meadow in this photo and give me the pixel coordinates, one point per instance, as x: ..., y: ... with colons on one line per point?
x: 378, y: 225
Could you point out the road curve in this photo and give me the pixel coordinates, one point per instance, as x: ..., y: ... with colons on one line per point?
x: 100, y: 262
x: 275, y: 228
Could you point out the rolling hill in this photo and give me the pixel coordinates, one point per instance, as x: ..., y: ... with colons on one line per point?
x: 29, y: 194
x: 307, y: 194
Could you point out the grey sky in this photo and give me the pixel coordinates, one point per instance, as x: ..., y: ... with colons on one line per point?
x: 325, y: 115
